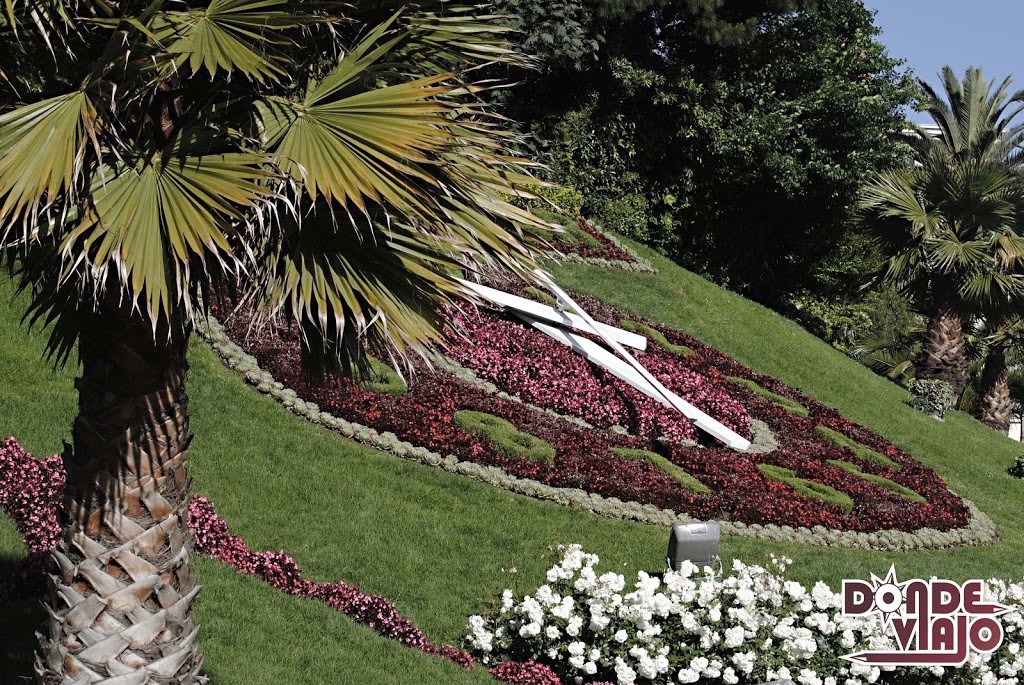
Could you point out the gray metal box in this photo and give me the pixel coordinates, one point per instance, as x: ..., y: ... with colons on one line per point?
x: 694, y: 542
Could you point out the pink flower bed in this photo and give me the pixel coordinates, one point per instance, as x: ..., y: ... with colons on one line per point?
x: 544, y: 372
x: 30, y: 494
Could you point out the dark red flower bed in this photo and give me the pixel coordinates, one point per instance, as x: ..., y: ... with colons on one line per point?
x: 608, y: 250
x: 542, y: 372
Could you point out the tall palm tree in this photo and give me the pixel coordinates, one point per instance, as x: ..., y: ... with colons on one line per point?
x: 338, y: 175
x: 949, y: 230
x: 946, y: 201
x: 993, y: 405
x: 975, y: 117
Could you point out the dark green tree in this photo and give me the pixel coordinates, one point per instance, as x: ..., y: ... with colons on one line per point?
x: 945, y: 243
x: 732, y: 134
x: 948, y: 229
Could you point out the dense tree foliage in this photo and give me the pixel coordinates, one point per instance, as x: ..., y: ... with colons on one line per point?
x: 731, y: 134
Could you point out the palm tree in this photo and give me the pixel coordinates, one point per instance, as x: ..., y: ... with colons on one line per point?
x: 1002, y: 340
x: 954, y: 200
x: 975, y: 118
x: 341, y: 177
x: 949, y: 230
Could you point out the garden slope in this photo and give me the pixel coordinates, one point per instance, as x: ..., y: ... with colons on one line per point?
x: 439, y: 545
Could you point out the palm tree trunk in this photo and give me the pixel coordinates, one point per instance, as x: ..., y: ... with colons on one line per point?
x: 994, y: 406
x: 944, y: 355
x: 120, y: 600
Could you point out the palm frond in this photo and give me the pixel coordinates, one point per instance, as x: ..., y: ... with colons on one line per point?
x: 149, y: 224
x: 229, y: 35
x: 348, y: 291
x: 41, y: 156
x: 460, y: 36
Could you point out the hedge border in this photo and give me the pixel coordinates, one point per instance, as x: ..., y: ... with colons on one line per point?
x: 980, y: 530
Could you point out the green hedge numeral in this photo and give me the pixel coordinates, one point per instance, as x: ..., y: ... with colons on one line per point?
x: 861, y: 451
x: 789, y: 405
x: 807, y: 488
x: 383, y: 378
x: 505, y: 437
x: 656, y: 336
x: 900, y: 490
x: 665, y: 466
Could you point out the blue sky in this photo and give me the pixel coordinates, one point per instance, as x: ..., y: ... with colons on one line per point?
x: 960, y: 33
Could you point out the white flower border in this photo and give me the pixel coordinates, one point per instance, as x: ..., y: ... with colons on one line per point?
x: 746, y: 625
x: 980, y: 530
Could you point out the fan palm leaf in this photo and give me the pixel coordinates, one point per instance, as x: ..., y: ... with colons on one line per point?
x: 228, y: 35
x: 42, y: 150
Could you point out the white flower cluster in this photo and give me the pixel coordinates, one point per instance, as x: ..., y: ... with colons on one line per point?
x: 749, y: 626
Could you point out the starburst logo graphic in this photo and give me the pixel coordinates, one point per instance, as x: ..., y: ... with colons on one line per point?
x: 935, y: 622
x: 888, y: 595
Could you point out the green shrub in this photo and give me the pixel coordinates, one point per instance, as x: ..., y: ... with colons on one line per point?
x: 1017, y: 469
x: 627, y: 214
x: 656, y: 336
x: 932, y: 396
x: 789, y: 405
x: 382, y: 378
x: 665, y: 466
x: 862, y: 452
x: 807, y: 488
x: 901, y: 490
x: 565, y: 197
x: 505, y: 437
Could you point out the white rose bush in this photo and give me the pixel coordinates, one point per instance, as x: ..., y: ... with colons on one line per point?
x: 750, y: 625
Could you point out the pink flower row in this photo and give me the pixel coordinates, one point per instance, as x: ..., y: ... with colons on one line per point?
x: 30, y: 494
x: 280, y: 571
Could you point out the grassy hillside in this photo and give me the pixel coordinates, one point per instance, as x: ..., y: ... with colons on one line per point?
x: 971, y: 457
x: 441, y: 546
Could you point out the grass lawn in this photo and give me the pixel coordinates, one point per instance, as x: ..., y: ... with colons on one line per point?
x: 440, y: 546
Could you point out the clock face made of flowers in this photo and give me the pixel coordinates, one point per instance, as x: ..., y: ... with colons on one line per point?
x: 509, y: 396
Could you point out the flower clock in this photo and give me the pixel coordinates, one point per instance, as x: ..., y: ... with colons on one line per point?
x: 509, y: 399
